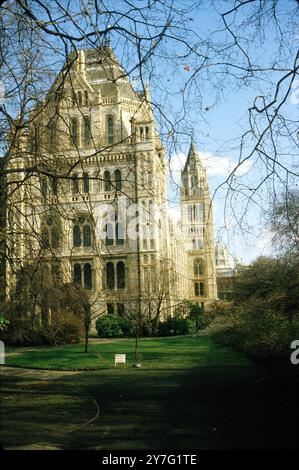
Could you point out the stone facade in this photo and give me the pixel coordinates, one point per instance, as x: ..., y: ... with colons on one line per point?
x: 96, y: 210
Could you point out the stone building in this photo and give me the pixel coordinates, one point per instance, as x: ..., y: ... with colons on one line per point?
x: 93, y: 203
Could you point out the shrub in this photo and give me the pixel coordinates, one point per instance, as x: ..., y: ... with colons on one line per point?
x: 173, y: 326
x: 53, y: 335
x: 109, y: 326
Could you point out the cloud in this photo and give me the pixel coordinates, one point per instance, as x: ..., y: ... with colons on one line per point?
x: 216, y: 166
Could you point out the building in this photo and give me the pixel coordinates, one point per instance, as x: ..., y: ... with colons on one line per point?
x: 93, y: 203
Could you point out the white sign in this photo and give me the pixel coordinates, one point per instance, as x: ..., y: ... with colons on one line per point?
x: 119, y: 359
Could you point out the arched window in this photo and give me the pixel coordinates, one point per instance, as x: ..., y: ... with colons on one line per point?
x: 107, y: 181
x: 86, y: 235
x: 117, y: 178
x: 85, y: 183
x: 109, y: 234
x: 110, y: 275
x: 110, y: 309
x: 44, y: 187
x: 55, y: 237
x: 54, y: 185
x: 74, y: 131
x: 77, y: 235
x: 120, y: 237
x: 77, y: 274
x: 121, y: 276
x: 87, y: 130
x: 45, y: 238
x: 198, y: 267
x: 87, y: 276
x: 75, y: 188
x: 110, y: 129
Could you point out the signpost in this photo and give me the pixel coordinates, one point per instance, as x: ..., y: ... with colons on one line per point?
x: 119, y: 359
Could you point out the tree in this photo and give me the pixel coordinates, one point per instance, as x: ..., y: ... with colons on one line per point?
x: 284, y: 222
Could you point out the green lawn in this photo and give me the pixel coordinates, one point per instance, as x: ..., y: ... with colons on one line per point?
x: 157, y: 353
x: 189, y: 394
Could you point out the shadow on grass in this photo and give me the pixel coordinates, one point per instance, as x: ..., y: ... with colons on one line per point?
x: 206, y: 407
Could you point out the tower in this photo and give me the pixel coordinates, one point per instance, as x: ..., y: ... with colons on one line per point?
x: 197, y: 229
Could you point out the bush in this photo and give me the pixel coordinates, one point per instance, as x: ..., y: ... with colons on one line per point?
x: 109, y: 326
x: 174, y: 326
x: 53, y: 335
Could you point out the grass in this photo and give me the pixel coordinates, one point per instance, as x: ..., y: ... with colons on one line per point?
x: 189, y: 394
x: 157, y: 353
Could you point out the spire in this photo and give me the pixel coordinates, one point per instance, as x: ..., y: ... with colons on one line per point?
x: 193, y: 157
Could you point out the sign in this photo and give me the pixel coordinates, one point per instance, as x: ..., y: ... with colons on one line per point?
x: 119, y: 359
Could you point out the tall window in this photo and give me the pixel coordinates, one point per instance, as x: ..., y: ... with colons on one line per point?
x: 110, y: 275
x: 55, y: 238
x: 44, y: 187
x: 117, y: 178
x: 54, y: 185
x: 121, y: 276
x: 198, y: 267
x: 85, y: 183
x: 120, y: 237
x: 45, y: 238
x: 86, y: 99
x: 75, y: 186
x: 109, y: 234
x: 82, y: 234
x: 110, y: 129
x: 199, y: 290
x: 77, y: 274
x: 87, y: 276
x: 107, y: 181
x: 87, y: 130
x: 147, y: 134
x: 110, y: 309
x: 79, y: 98
x: 74, y: 131
x: 50, y: 232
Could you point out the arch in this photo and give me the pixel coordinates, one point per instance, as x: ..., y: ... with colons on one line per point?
x: 117, y: 178
x: 77, y: 274
x: 86, y: 235
x: 86, y: 130
x: 121, y: 275
x: 110, y: 275
x: 74, y: 131
x: 110, y: 129
x: 77, y: 241
x: 87, y: 276
x: 107, y: 181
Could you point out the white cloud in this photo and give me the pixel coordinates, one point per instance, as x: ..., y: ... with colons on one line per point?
x: 215, y: 165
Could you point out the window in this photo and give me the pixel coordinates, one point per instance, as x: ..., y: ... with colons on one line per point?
x: 120, y: 271
x: 86, y: 235
x: 199, y: 289
x: 141, y: 133
x: 73, y: 98
x: 75, y: 187
x: 79, y: 98
x: 120, y: 310
x: 86, y: 99
x: 198, y: 267
x: 44, y: 187
x: 110, y: 129
x: 77, y: 274
x: 82, y: 233
x: 147, y: 133
x: 87, y: 276
x: 85, y: 183
x: 87, y: 130
x: 55, y: 238
x: 74, y: 131
x: 119, y: 233
x: 109, y: 234
x: 54, y: 185
x: 76, y: 236
x: 45, y: 238
x: 110, y: 309
x: 107, y: 181
x: 110, y: 275
x: 117, y: 177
